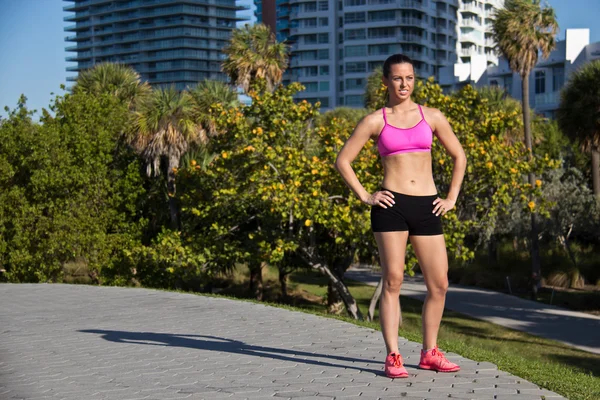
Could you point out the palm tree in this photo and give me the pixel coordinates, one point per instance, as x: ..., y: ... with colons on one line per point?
x: 119, y: 80
x: 208, y: 93
x: 254, y: 53
x: 523, y: 29
x: 164, y: 128
x: 579, y: 114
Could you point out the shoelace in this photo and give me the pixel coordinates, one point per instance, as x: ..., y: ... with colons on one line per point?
x: 438, y: 354
x: 397, y: 362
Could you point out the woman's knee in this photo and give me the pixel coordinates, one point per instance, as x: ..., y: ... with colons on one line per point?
x: 439, y: 287
x: 393, y: 281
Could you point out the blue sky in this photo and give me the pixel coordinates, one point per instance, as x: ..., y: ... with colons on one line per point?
x: 32, y: 46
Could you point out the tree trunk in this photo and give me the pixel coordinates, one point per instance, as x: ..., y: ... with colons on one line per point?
x: 256, y: 282
x: 283, y: 275
x: 341, y: 287
x: 493, y: 250
x: 375, y: 299
x: 596, y: 171
x: 335, y: 304
x: 173, y: 209
x: 535, y: 246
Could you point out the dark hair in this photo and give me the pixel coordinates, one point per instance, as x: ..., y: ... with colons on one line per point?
x: 393, y: 60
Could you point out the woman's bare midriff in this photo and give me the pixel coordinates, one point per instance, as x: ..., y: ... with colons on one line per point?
x: 409, y: 173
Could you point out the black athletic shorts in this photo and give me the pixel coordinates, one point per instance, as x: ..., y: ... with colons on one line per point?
x: 409, y: 213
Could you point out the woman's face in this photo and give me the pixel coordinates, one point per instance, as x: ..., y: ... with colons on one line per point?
x: 401, y: 80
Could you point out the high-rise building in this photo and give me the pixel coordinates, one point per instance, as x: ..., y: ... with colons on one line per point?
x: 336, y: 44
x: 475, y: 33
x: 166, y: 41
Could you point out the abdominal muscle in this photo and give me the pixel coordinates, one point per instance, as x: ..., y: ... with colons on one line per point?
x: 409, y: 173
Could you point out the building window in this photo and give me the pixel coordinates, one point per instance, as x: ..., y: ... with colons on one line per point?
x: 494, y: 83
x: 356, y: 51
x: 310, y: 39
x: 323, y: 38
x: 356, y: 83
x: 508, y: 81
x: 355, y: 67
x: 310, y: 71
x: 324, y: 86
x: 384, y: 49
x: 540, y: 82
x: 310, y: 7
x: 355, y: 34
x: 323, y: 5
x: 558, y: 78
x: 324, y: 70
x: 385, y: 15
x: 311, y: 86
x: 324, y: 21
x: 387, y: 32
x: 352, y: 3
x: 354, y: 17
x: 354, y: 100
x: 309, y: 23
x: 323, y: 54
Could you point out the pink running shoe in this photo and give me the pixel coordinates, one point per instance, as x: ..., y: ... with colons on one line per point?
x: 394, y: 367
x: 435, y: 360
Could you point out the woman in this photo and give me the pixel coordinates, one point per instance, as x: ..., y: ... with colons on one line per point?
x: 407, y: 206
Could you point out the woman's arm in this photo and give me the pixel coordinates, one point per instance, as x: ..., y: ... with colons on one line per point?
x: 365, y: 129
x: 443, y: 131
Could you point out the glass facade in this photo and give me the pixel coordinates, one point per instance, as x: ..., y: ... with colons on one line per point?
x: 167, y: 42
x: 350, y: 38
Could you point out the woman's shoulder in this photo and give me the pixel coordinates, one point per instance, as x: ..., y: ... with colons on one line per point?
x: 431, y: 112
x: 373, y: 120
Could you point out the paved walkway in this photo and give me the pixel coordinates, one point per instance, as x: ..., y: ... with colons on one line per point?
x: 85, y: 342
x: 577, y: 329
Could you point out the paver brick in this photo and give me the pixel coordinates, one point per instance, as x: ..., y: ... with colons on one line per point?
x: 122, y: 343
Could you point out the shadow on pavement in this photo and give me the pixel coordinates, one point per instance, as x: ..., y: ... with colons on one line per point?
x: 219, y: 344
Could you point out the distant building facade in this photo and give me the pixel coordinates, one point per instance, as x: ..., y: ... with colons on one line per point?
x: 475, y: 30
x: 545, y: 81
x: 335, y: 45
x: 167, y: 42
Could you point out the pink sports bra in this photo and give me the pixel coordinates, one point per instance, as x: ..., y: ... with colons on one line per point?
x: 394, y: 140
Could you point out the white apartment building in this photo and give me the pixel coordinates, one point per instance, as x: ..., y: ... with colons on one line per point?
x: 545, y: 81
x: 475, y: 33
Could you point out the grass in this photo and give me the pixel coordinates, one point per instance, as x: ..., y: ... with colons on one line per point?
x: 572, y: 373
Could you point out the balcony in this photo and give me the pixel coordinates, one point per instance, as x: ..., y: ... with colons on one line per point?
x: 472, y: 38
x: 470, y: 23
x: 472, y: 51
x: 547, y: 100
x: 470, y: 8
x: 492, y: 57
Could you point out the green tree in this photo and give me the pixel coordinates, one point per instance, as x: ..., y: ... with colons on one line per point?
x: 165, y: 126
x: 375, y: 91
x: 208, y: 93
x: 120, y: 80
x: 579, y: 114
x: 254, y: 53
x: 523, y: 30
x: 68, y: 191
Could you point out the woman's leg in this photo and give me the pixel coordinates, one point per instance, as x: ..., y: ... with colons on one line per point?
x: 433, y: 261
x: 392, y: 250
